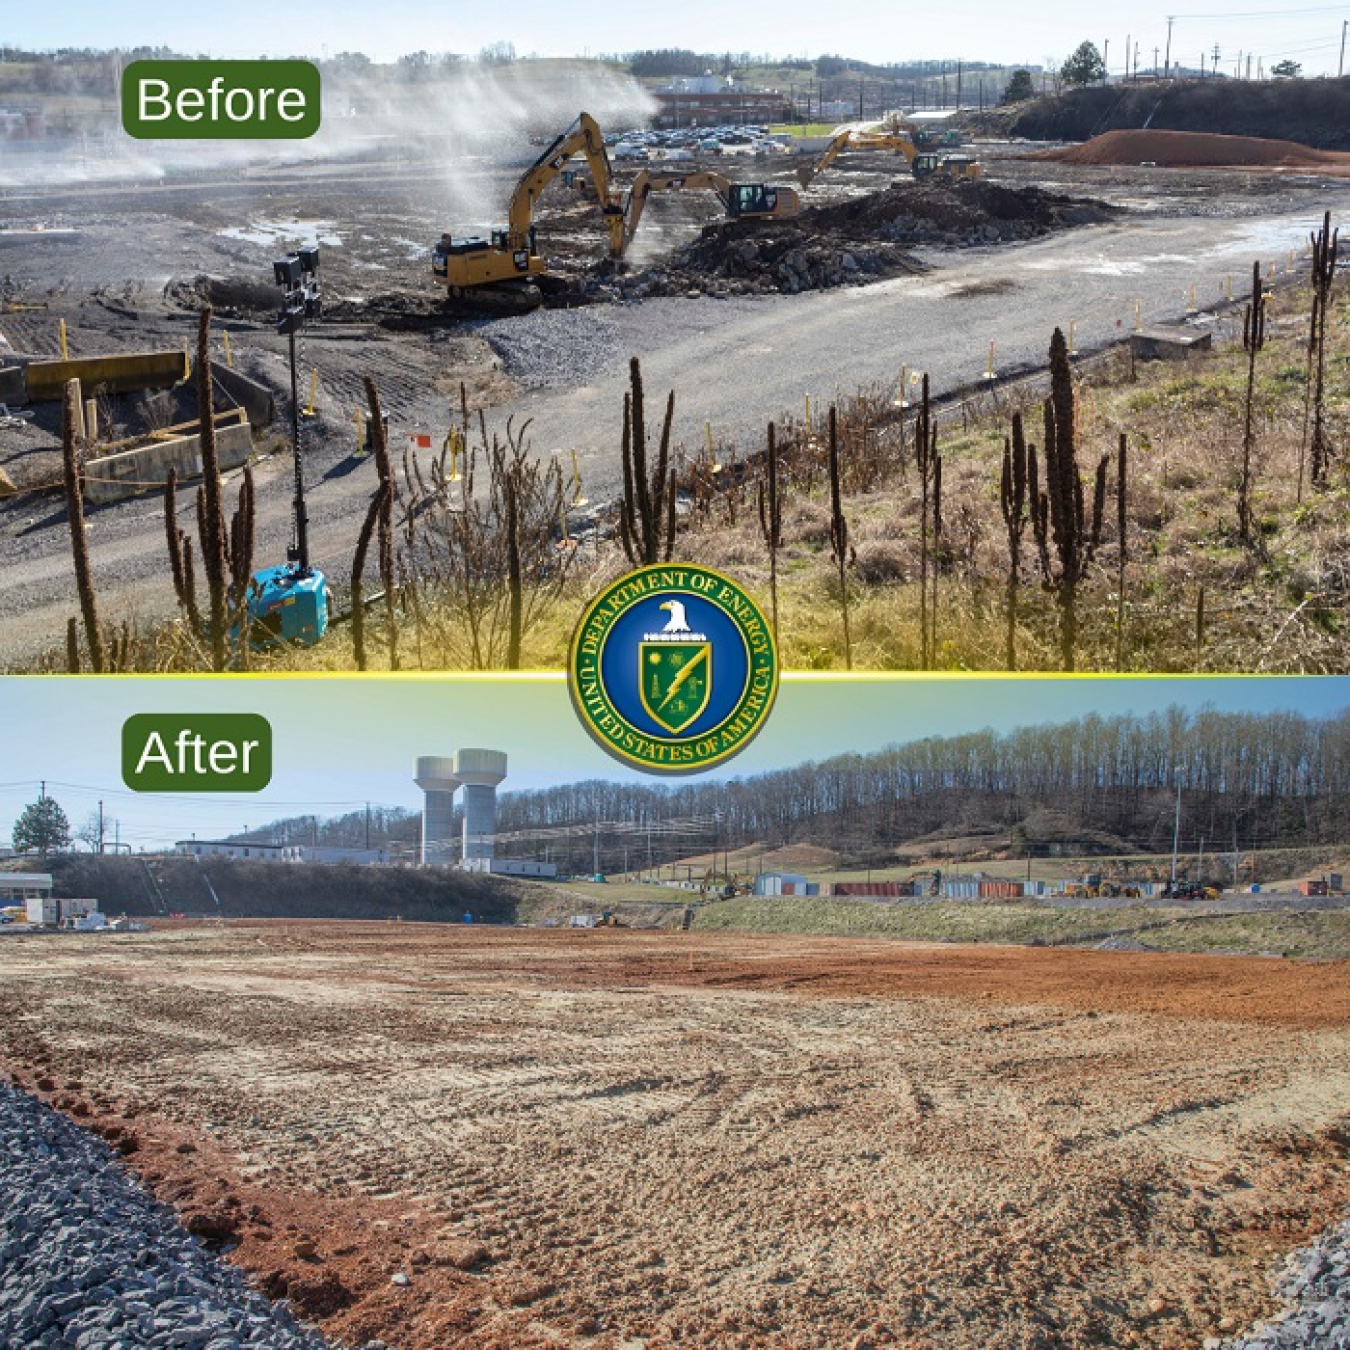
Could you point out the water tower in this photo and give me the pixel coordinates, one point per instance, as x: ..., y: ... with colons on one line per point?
x: 479, y: 771
x: 436, y: 777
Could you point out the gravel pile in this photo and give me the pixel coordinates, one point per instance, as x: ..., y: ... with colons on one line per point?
x: 555, y: 348
x: 1318, y: 1288
x: 89, y: 1260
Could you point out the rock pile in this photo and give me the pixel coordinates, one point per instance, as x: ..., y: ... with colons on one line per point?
x: 865, y: 239
x: 1318, y: 1288
x: 88, y: 1259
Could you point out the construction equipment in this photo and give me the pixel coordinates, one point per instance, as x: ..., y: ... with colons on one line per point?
x: 954, y: 168
x: 740, y: 201
x: 503, y: 273
x: 859, y: 136
x: 291, y: 602
x: 889, y: 135
x: 931, y: 880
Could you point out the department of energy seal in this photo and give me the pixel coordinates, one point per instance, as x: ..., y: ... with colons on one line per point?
x: 673, y: 668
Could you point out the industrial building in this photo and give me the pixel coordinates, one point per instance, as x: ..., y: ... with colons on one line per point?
x: 511, y: 867
x: 300, y: 853
x: 18, y: 888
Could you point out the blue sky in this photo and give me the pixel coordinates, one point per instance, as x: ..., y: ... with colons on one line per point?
x: 339, y: 742
x: 970, y: 29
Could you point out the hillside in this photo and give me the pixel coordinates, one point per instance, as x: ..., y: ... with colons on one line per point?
x: 1312, y: 112
x: 141, y: 886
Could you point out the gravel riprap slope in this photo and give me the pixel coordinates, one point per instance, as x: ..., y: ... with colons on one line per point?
x: 88, y: 1259
x: 1317, y: 1286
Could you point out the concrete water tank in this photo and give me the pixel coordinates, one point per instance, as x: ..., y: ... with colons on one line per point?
x: 479, y: 771
x: 436, y: 777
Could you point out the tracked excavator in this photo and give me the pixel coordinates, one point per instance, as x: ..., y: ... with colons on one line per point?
x: 888, y: 135
x: 503, y: 273
x: 740, y: 201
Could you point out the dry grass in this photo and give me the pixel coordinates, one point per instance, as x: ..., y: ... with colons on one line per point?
x: 1276, y: 606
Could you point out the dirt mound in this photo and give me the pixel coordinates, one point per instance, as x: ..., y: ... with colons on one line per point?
x: 1195, y: 150
x: 234, y: 297
x: 866, y: 239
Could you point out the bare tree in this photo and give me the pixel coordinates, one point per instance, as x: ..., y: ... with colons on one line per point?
x: 79, y: 542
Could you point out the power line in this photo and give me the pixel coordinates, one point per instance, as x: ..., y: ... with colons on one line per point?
x: 1268, y: 13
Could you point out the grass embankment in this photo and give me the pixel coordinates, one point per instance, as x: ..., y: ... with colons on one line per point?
x: 1196, y: 596
x: 1324, y: 934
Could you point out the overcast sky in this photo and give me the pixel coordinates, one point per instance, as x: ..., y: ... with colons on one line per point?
x: 340, y: 742
x: 968, y: 29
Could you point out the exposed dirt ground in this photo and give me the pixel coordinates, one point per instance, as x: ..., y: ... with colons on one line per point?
x: 1191, y: 149
x: 616, y: 1139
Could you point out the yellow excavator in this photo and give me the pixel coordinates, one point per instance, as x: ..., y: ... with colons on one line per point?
x: 888, y: 135
x: 740, y: 201
x: 504, y: 272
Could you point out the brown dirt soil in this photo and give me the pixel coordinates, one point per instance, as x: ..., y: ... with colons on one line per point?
x: 1194, y: 150
x: 614, y: 1139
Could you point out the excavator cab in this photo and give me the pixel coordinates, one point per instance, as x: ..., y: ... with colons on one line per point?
x: 761, y: 199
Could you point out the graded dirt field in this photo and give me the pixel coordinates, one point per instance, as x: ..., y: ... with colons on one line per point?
x: 620, y: 1139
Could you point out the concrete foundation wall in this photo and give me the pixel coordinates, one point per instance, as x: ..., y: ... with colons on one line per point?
x: 255, y: 399
x: 146, y: 468
x: 118, y: 374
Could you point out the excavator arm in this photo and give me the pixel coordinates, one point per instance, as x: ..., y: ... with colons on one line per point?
x: 873, y: 136
x: 808, y: 173
x: 738, y: 199
x: 583, y: 136
x: 647, y: 182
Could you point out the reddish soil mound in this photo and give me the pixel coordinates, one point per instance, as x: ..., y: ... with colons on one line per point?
x: 1195, y: 150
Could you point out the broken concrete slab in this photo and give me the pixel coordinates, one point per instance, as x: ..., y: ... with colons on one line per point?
x: 1170, y: 342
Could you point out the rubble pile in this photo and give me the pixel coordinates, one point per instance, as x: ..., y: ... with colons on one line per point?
x: 867, y: 239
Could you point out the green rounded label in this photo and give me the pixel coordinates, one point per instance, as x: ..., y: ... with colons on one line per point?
x: 673, y: 668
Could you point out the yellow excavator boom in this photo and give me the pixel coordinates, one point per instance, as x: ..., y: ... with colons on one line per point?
x: 582, y: 137
x: 738, y: 199
x: 858, y: 136
x: 508, y: 255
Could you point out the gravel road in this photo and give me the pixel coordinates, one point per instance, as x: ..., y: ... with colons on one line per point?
x: 88, y: 1259
x: 734, y: 363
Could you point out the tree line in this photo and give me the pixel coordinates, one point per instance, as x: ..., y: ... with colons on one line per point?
x: 1256, y: 780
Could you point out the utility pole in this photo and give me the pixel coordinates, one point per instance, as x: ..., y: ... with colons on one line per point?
x: 100, y: 827
x: 1215, y: 69
x: 1129, y: 37
x: 1168, y: 62
x: 1340, y: 68
x: 1106, y: 65
x: 1176, y: 832
x: 1155, y: 63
